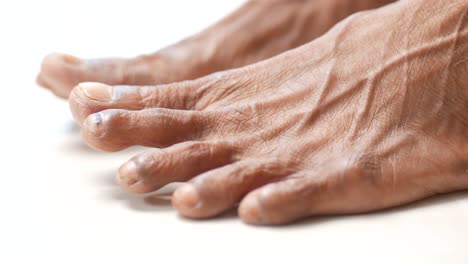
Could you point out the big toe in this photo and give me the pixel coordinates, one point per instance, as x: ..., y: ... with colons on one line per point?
x: 61, y: 72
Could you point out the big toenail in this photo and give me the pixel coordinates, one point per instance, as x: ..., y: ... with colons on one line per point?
x: 128, y: 174
x: 93, y: 123
x: 96, y: 91
x: 71, y: 59
x: 187, y: 196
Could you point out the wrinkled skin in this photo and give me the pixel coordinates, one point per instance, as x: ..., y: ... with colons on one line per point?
x: 371, y: 115
x: 258, y: 30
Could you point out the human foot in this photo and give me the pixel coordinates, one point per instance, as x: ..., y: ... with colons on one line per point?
x: 258, y: 30
x: 374, y: 114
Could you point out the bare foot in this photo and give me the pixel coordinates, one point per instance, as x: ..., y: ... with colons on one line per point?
x: 374, y: 114
x: 258, y: 30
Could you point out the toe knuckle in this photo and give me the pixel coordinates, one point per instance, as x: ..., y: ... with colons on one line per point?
x: 146, y: 96
x: 362, y: 167
x: 151, y: 163
x: 198, y: 147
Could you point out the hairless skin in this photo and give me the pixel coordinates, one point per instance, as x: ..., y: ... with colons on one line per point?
x: 258, y: 30
x: 371, y: 115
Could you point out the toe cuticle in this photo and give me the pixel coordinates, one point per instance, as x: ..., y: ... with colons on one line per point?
x: 93, y: 123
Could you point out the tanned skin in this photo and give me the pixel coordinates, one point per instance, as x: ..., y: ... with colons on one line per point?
x: 372, y: 114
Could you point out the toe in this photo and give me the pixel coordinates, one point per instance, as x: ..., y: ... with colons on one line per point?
x: 113, y: 130
x: 88, y: 98
x: 337, y: 187
x: 152, y: 170
x: 61, y: 72
x: 41, y: 82
x: 205, y: 93
x: 45, y: 84
x: 218, y: 190
x: 276, y: 203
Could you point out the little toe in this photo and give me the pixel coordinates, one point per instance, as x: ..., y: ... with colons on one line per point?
x: 333, y: 188
x: 278, y: 203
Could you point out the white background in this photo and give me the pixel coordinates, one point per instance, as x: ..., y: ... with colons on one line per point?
x: 58, y: 200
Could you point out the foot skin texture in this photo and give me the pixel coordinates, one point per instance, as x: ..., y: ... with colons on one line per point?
x: 258, y: 30
x: 373, y: 114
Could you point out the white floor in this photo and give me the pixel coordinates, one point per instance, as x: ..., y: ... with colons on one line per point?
x: 58, y: 200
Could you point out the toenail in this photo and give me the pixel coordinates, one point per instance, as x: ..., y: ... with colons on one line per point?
x: 93, y: 123
x: 187, y: 197
x: 96, y: 91
x: 250, y: 211
x: 128, y: 174
x: 71, y: 59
